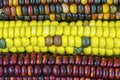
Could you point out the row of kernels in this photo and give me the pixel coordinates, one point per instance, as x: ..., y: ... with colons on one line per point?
x: 50, y: 59
x: 105, y: 42
x: 63, y: 17
x: 67, y: 50
x: 58, y: 50
x: 110, y: 45
x: 100, y: 23
x: 59, y: 8
x: 101, y: 51
x: 5, y: 3
x: 63, y: 71
x: 88, y: 31
x: 64, y: 41
x: 48, y: 77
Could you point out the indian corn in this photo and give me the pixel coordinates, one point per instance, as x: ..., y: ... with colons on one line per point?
x: 35, y: 64
x: 59, y: 11
x: 88, y: 37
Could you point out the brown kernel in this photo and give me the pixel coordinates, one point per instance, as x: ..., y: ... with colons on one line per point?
x: 49, y: 40
x: 57, y: 40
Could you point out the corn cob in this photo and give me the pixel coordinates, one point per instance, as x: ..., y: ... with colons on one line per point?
x: 61, y: 12
x: 94, y: 37
x: 37, y: 2
x: 28, y: 65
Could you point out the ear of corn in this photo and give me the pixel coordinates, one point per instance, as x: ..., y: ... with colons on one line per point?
x: 35, y: 65
x: 91, y: 37
x: 59, y: 10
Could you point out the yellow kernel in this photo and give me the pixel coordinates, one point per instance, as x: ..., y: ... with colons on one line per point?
x: 105, y: 8
x: 73, y: 30
x: 73, y: 8
x: 16, y: 31
x: 25, y: 41
x: 78, y: 41
x: 41, y: 41
x: 33, y: 30
x: 102, y: 51
x: 33, y: 23
x: 64, y: 41
x: 36, y: 49
x: 69, y: 50
x: 18, y: 10
x: 59, y: 30
x: 80, y: 30
x: 13, y: 49
x: 29, y: 48
x: 44, y: 49
x: 95, y: 51
x: 9, y: 42
x: 112, y: 32
x: 52, y: 49
x: 60, y: 50
x: 92, y: 31
x: 33, y: 41
x: 39, y: 30
x: 52, y: 30
x: 109, y: 43
x: 45, y: 31
x: 71, y: 41
x: 17, y: 42
x: 21, y: 49
x: 94, y: 42
x: 87, y: 50
x: 67, y: 30
x: 19, y: 24
x: 28, y: 32
x: 87, y: 31
x: 102, y: 42
x: 109, y: 52
x: 116, y: 51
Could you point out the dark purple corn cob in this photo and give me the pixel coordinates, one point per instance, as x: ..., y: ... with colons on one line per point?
x: 63, y: 67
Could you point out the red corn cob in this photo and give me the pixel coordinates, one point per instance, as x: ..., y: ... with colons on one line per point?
x: 58, y: 66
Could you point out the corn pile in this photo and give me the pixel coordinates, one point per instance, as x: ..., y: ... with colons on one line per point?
x: 60, y: 10
x: 91, y: 37
x: 58, y: 66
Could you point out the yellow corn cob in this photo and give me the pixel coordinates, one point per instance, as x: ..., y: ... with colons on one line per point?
x: 96, y: 38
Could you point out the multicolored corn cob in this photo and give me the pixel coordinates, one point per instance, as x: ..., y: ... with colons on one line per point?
x: 60, y: 11
x: 92, y: 38
x: 35, y: 64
